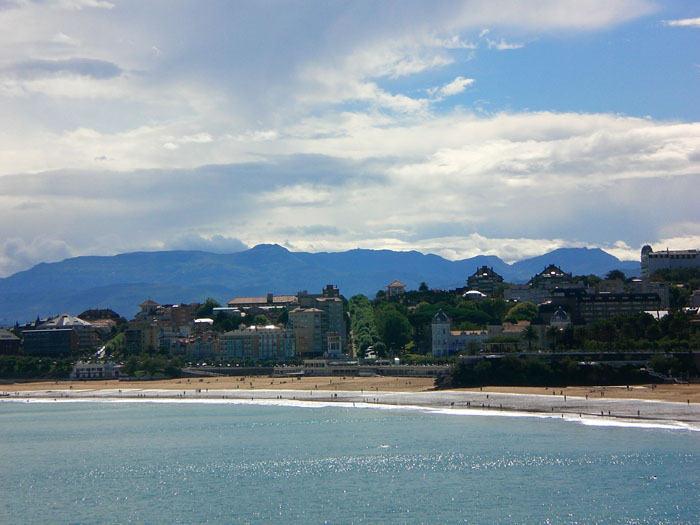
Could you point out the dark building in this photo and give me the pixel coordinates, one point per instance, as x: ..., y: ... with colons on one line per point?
x: 586, y: 307
x: 55, y: 342
x: 9, y: 343
x: 484, y: 280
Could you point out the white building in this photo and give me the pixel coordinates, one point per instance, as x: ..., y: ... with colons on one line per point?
x: 667, y: 259
x: 83, y: 370
x: 446, y: 342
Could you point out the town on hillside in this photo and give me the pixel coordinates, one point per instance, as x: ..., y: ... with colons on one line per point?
x: 555, y: 328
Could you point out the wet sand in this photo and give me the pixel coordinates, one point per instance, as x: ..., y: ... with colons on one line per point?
x: 680, y: 393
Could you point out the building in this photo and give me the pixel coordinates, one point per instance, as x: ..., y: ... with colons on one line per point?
x: 586, y: 306
x: 446, y: 341
x: 257, y: 343
x: 667, y: 260
x: 539, y: 289
x: 316, y: 317
x: 269, y: 303
x: 9, y: 343
x: 510, y: 337
x: 83, y: 370
x: 56, y: 342
x: 394, y: 289
x: 560, y: 319
x: 334, y: 345
x: 695, y: 299
x: 646, y: 286
x: 87, y: 335
x: 306, y: 326
x: 141, y: 336
x: 484, y: 280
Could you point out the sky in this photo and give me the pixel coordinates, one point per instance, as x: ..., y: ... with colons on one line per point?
x: 497, y: 127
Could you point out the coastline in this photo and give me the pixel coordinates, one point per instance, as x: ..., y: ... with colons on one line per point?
x: 643, y: 406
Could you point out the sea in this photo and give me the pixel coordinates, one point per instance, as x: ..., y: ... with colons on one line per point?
x: 234, y: 462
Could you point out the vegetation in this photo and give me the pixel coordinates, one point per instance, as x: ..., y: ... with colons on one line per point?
x: 682, y: 283
x: 362, y: 323
x: 153, y: 366
x: 513, y: 370
x: 26, y: 367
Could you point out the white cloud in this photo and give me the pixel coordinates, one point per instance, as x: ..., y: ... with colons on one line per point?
x: 457, y: 86
x: 686, y: 22
x: 502, y: 45
x: 324, y: 124
x: 19, y: 254
x: 77, y: 5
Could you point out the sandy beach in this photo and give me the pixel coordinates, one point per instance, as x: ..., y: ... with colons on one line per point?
x: 677, y: 404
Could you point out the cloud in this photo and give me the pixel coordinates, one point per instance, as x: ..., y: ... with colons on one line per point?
x: 19, y: 254
x: 213, y: 243
x: 77, y: 5
x: 686, y: 22
x: 127, y: 130
x: 502, y: 45
x: 457, y: 86
x: 78, y: 66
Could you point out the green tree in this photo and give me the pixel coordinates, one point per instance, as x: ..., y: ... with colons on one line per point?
x: 423, y: 287
x: 529, y: 334
x: 524, y: 311
x: 393, y: 327
x: 207, y: 309
x: 616, y: 274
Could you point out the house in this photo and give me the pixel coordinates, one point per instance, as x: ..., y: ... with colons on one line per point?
x: 82, y: 370
x: 446, y: 341
x: 510, y: 337
x: 394, y: 289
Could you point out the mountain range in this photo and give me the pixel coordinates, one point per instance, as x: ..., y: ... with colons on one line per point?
x: 121, y: 282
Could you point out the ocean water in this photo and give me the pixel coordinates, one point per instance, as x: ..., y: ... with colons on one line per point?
x: 86, y: 462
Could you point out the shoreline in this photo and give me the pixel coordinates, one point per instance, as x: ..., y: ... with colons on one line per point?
x: 618, y: 404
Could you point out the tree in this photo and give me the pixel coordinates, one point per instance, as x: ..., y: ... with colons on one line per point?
x: 260, y: 320
x: 525, y: 311
x: 552, y: 335
x: 393, y: 327
x: 423, y: 287
x: 529, y: 334
x: 616, y: 274
x: 207, y: 309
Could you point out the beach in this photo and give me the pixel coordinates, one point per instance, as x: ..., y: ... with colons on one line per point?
x: 678, y: 403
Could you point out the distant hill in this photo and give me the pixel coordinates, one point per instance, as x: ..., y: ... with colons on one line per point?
x: 121, y: 282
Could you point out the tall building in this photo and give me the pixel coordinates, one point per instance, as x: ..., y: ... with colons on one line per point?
x: 306, y: 325
x: 484, y: 280
x: 539, y: 289
x: 667, y: 260
x: 317, y: 316
x: 440, y: 332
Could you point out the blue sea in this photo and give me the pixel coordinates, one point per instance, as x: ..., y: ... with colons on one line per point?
x: 141, y: 462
